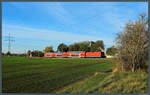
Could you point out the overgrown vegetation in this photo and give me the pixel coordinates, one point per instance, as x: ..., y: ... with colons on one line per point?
x: 106, y: 82
x: 125, y: 82
x: 133, y: 45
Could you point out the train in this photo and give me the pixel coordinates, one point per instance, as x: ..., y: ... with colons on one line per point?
x: 75, y: 54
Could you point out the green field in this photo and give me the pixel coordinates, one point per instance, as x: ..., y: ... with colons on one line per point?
x: 47, y: 75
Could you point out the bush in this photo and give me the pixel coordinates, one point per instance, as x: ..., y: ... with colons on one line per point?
x: 111, y: 51
x: 37, y: 53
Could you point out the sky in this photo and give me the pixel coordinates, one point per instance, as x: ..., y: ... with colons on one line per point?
x: 35, y: 25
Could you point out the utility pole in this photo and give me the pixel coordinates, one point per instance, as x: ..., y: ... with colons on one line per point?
x: 9, y: 40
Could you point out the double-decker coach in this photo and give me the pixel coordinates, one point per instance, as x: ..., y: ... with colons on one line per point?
x: 92, y: 55
x: 76, y: 54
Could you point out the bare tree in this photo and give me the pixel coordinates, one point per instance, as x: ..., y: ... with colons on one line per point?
x: 133, y: 44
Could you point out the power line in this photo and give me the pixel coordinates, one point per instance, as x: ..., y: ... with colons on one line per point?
x: 9, y: 40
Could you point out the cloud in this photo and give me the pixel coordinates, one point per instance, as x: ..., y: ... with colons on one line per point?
x: 38, y: 37
x: 26, y: 32
x: 59, y: 13
x: 117, y: 14
x: 78, y: 22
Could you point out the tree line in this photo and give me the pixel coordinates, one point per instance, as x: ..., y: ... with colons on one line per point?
x: 87, y: 46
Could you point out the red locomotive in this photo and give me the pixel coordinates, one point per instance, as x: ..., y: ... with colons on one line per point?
x: 76, y: 54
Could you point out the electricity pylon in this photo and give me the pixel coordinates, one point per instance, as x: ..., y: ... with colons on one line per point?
x: 9, y: 40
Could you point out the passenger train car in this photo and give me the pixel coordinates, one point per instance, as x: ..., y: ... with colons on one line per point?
x: 75, y: 54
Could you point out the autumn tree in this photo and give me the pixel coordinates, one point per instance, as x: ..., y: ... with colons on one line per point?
x: 133, y: 44
x: 111, y: 51
x: 48, y: 49
x: 74, y: 47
